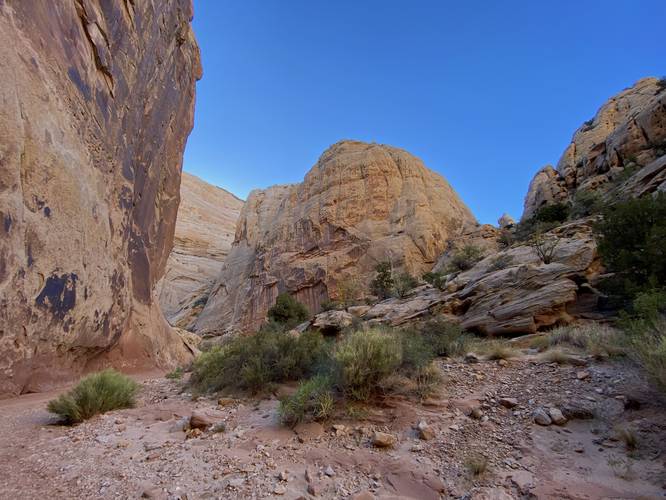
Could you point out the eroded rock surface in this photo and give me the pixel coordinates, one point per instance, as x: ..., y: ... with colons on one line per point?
x: 625, y: 139
x: 97, y: 102
x: 359, y: 205
x: 205, y: 230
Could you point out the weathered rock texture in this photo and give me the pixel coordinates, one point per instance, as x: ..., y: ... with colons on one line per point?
x: 97, y: 102
x: 360, y: 204
x: 205, y: 230
x: 625, y: 139
x: 511, y: 291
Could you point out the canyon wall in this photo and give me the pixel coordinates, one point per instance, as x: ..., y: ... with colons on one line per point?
x: 205, y: 229
x: 359, y: 205
x: 97, y: 102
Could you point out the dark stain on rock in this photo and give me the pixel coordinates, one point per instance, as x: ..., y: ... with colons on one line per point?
x: 3, y: 266
x: 58, y: 294
x: 140, y: 266
x: 75, y: 77
x: 126, y: 198
x: 47, y: 212
x: 128, y: 171
x: 31, y: 260
x: 7, y: 221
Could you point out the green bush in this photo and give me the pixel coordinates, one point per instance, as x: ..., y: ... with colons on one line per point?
x: 255, y: 362
x: 404, y: 283
x: 586, y: 203
x: 444, y: 337
x: 436, y: 279
x: 649, y: 349
x: 464, y: 259
x: 557, y: 212
x: 417, y: 352
x: 383, y: 284
x: 630, y: 239
x: 176, y: 374
x: 500, y: 262
x: 314, y: 400
x: 363, y: 359
x: 97, y: 393
x: 288, y: 311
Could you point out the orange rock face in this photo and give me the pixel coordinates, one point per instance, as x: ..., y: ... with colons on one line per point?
x: 359, y: 205
x: 97, y: 102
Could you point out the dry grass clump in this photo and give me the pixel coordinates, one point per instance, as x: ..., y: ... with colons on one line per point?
x: 476, y: 465
x: 496, y: 349
x: 597, y: 340
x: 95, y: 394
x: 628, y: 436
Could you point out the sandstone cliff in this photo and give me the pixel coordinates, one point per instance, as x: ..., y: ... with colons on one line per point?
x: 205, y: 229
x: 622, y: 147
x: 360, y: 204
x: 97, y: 102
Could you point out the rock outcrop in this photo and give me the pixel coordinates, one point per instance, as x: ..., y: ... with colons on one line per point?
x: 511, y: 291
x: 205, y: 230
x: 626, y: 139
x: 359, y: 205
x: 97, y: 102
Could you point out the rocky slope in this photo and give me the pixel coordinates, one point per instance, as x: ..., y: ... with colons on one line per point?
x: 205, y: 229
x: 360, y: 204
x: 97, y: 102
x: 623, y: 146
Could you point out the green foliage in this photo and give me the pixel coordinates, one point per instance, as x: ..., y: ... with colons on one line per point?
x: 464, y: 259
x: 631, y: 239
x: 288, y: 311
x: 506, y: 238
x: 496, y: 349
x: 383, y: 284
x: 363, y: 359
x: 436, y: 279
x: 330, y: 305
x: 176, y: 374
x: 598, y: 340
x: 255, y: 362
x: 97, y: 393
x: 349, y: 291
x: 661, y: 84
x: 404, y: 283
x: 544, y: 246
x: 314, y: 400
x: 586, y: 203
x: 556, y: 212
x: 417, y: 352
x: 444, y: 337
x: 500, y: 262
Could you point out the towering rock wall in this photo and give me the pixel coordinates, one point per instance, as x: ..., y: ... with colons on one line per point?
x: 360, y: 204
x: 97, y: 102
x: 205, y: 230
x: 626, y: 136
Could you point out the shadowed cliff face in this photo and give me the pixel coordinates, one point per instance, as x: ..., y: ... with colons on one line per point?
x: 97, y: 102
x: 359, y: 205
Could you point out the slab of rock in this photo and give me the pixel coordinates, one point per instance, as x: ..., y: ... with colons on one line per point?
x: 508, y: 402
x: 358, y: 204
x: 556, y: 416
x: 200, y: 421
x: 97, y: 102
x: 541, y: 417
x: 332, y: 322
x: 383, y: 440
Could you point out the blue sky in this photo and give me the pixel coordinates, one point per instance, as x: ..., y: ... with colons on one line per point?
x: 484, y: 92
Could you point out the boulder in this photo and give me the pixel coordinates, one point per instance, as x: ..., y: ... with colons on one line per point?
x: 97, y: 102
x: 359, y: 205
x: 332, y: 322
x: 383, y: 440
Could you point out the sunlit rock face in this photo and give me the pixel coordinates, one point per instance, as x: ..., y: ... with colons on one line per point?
x: 359, y: 205
x: 619, y: 151
x: 205, y: 229
x: 97, y: 102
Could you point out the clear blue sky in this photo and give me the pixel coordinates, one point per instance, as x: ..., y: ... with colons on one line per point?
x: 484, y: 92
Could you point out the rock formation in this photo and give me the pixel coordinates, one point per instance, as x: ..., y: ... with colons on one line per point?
x: 97, y: 102
x: 622, y: 146
x: 205, y: 229
x: 359, y: 205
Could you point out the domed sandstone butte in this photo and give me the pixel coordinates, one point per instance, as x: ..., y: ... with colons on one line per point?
x: 205, y: 229
x: 359, y: 205
x: 97, y: 102
x: 622, y: 147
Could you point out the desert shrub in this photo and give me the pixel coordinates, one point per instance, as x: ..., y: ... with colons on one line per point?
x: 363, y: 359
x: 649, y: 349
x: 330, y: 305
x: 630, y: 240
x: 544, y: 246
x: 464, y: 259
x: 288, y: 311
x: 404, y: 283
x: 500, y: 262
x: 97, y: 393
x: 444, y: 337
x: 556, y: 212
x: 314, y: 400
x: 383, y: 283
x: 175, y: 374
x: 661, y: 84
x: 496, y: 349
x: 476, y: 464
x: 506, y: 238
x: 427, y: 379
x: 597, y: 340
x: 254, y: 362
x: 436, y: 279
x: 349, y: 291
x: 586, y: 203
x: 417, y: 352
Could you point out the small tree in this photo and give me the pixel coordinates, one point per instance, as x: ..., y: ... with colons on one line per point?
x: 404, y: 283
x: 383, y: 284
x: 544, y: 246
x: 288, y: 311
x: 349, y: 291
x: 436, y: 279
x: 465, y: 258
